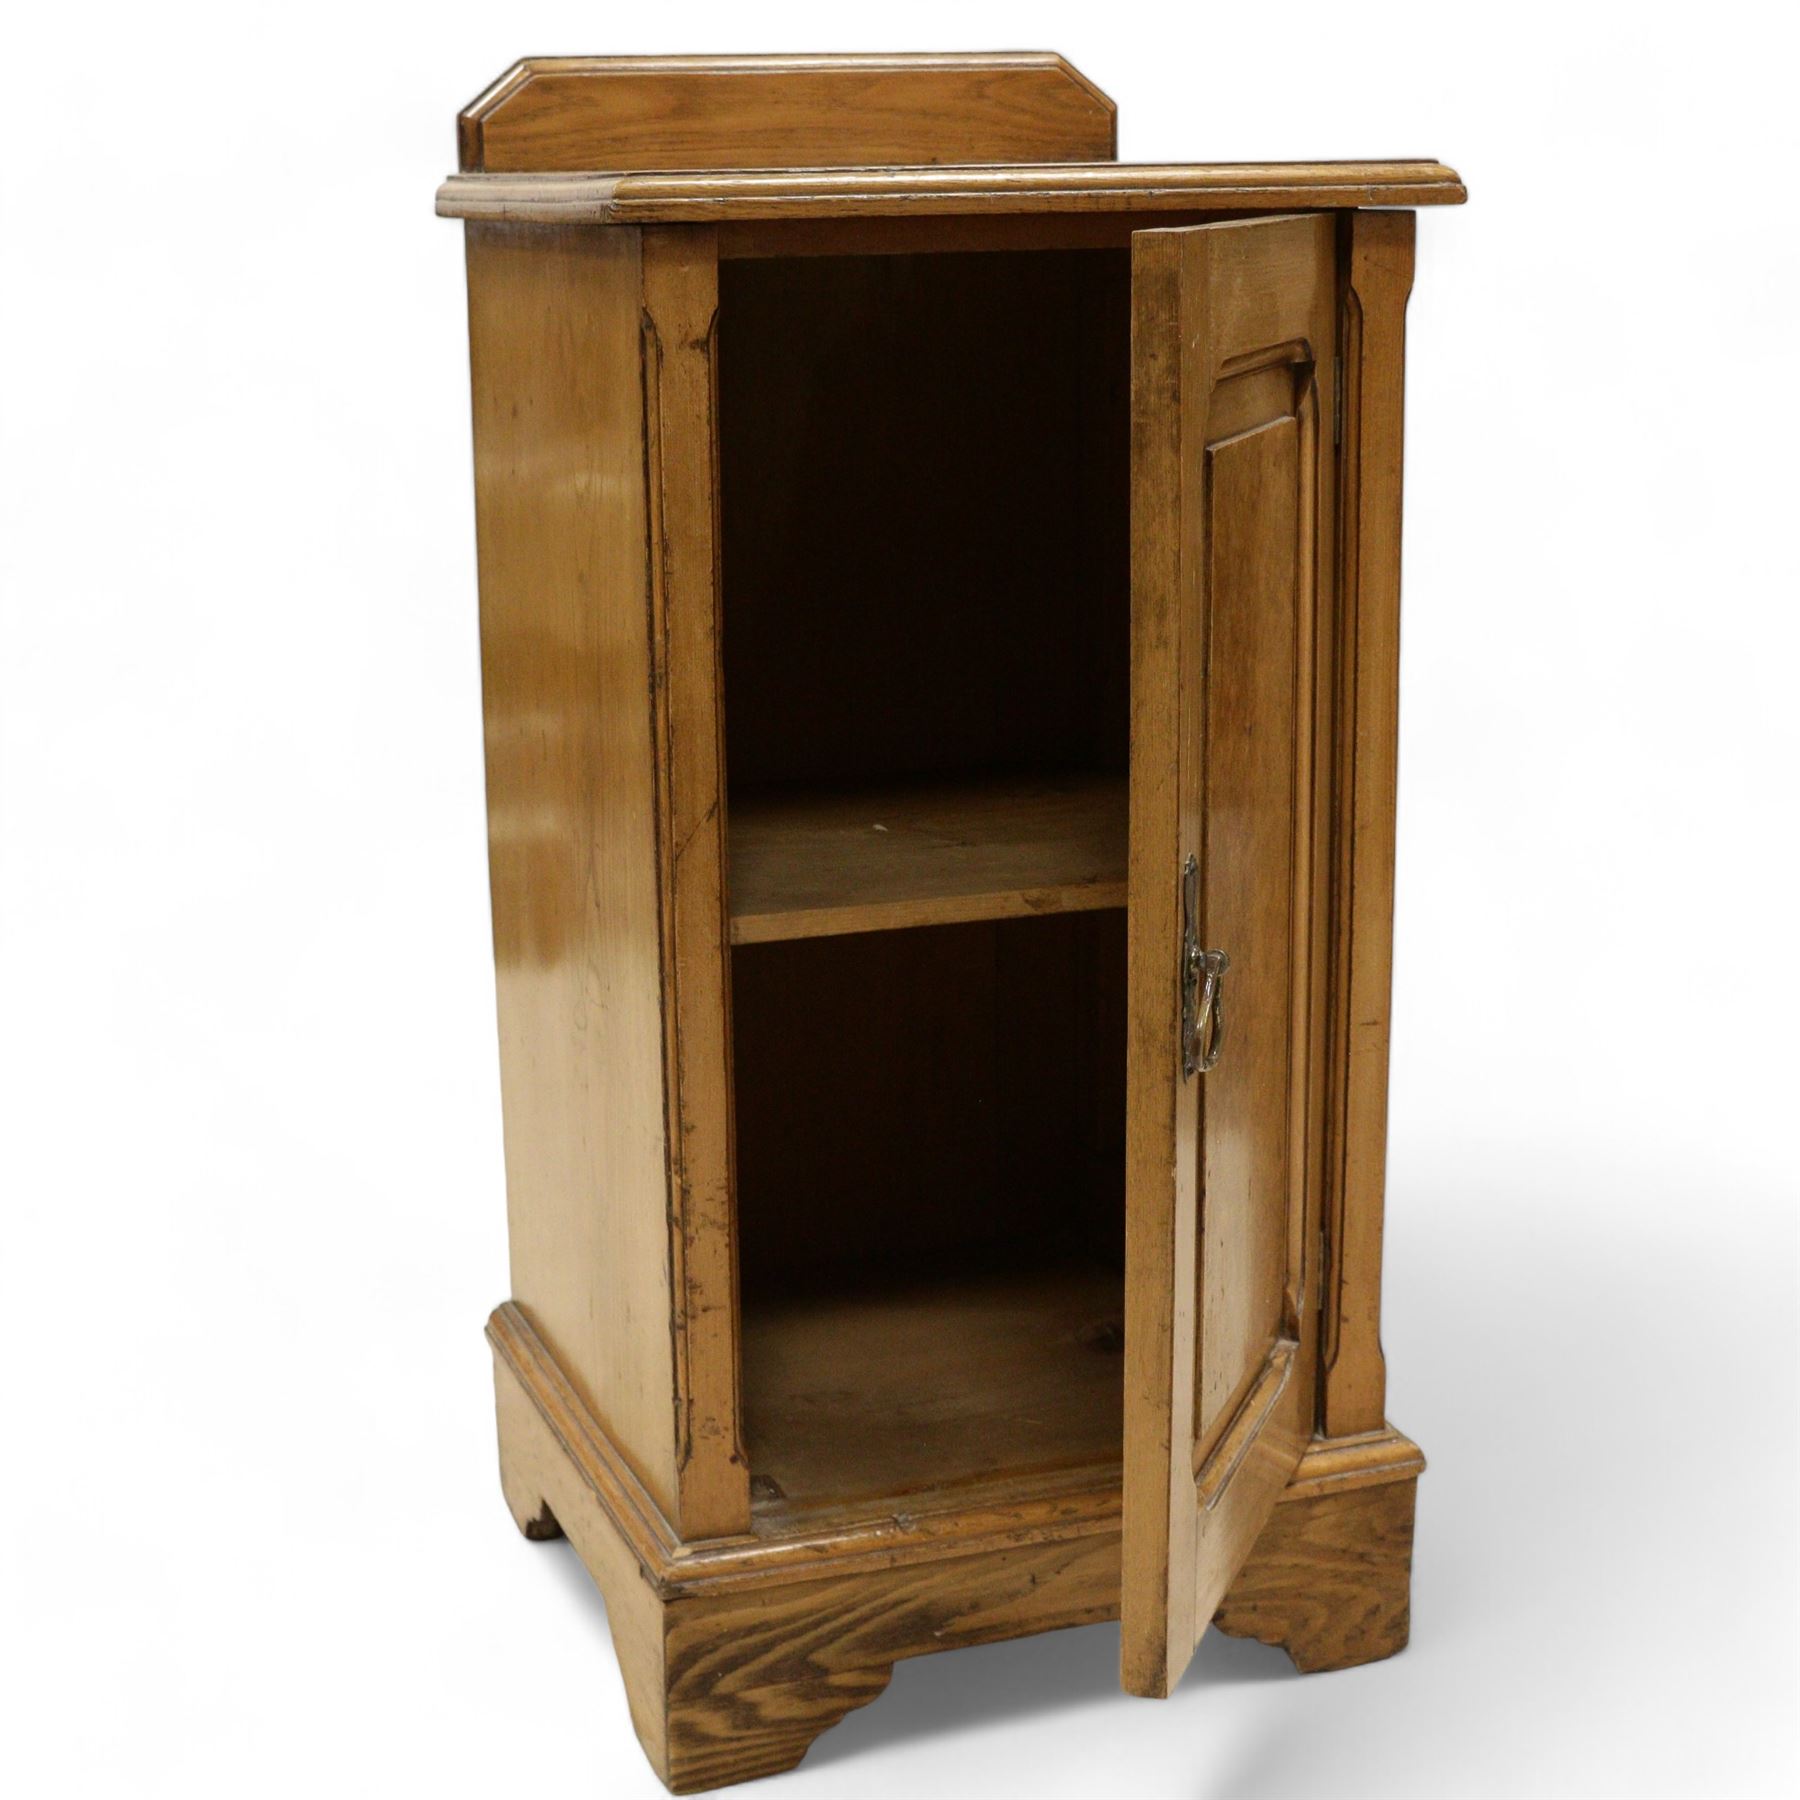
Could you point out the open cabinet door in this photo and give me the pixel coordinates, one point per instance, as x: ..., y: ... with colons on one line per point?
x: 1232, y: 526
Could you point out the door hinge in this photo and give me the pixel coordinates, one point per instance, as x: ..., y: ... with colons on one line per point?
x: 1202, y: 983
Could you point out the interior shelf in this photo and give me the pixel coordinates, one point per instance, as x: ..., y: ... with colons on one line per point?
x: 866, y: 1396
x: 816, y: 864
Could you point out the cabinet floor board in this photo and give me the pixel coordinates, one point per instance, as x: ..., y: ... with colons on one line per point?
x: 875, y: 1396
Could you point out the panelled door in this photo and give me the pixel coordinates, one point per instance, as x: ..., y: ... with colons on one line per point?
x: 1233, y: 331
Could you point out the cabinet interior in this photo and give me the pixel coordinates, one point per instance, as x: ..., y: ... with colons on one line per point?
x: 924, y: 493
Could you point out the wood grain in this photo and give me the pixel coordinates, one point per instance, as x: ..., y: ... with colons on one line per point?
x: 547, y: 1481
x: 937, y: 1101
x: 1380, y: 271
x: 1221, y: 1208
x: 666, y: 199
x: 680, y: 341
x: 756, y: 1675
x: 1160, y: 1142
x: 891, y: 1391
x: 736, y: 1654
x: 1253, y: 775
x: 837, y: 1048
x: 1330, y: 1579
x: 782, y: 1545
x: 571, y: 784
x: 936, y: 234
x: 817, y: 865
x: 943, y: 595
x: 758, y: 112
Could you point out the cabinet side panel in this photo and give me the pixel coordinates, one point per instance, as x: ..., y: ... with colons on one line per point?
x: 1378, y: 281
x: 556, y: 359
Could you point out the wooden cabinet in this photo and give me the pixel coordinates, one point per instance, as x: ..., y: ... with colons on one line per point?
x: 939, y: 595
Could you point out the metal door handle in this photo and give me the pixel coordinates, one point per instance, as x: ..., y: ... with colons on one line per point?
x: 1202, y: 984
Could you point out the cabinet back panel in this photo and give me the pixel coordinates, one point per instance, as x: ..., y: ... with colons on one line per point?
x: 924, y: 514
x: 939, y: 1100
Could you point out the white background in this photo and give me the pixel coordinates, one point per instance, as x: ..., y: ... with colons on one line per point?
x: 249, y: 1117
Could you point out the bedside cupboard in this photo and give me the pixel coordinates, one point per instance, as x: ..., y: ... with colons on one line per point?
x: 939, y: 601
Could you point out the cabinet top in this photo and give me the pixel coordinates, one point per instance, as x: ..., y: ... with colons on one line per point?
x: 655, y: 140
x: 715, y: 196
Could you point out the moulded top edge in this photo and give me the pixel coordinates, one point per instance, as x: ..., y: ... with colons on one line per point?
x: 713, y: 196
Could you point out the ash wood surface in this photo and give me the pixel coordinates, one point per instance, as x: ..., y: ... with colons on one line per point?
x: 572, y: 832
x: 555, y: 1485
x: 736, y: 1654
x: 759, y: 112
x: 756, y: 1675
x: 817, y: 865
x: 780, y: 1545
x: 680, y: 364
x: 928, y: 1101
x: 877, y: 1395
x: 946, y: 594
x: 1231, y: 462
x: 1161, y: 1130
x: 1252, y: 771
x: 934, y: 234
x: 750, y: 194
x: 874, y: 1259
x: 1330, y: 1579
x: 1380, y: 273
x: 592, y: 376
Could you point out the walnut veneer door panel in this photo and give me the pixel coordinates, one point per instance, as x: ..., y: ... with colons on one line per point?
x: 1232, y: 343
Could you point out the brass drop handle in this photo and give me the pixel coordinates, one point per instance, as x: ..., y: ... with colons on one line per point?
x: 1202, y: 984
